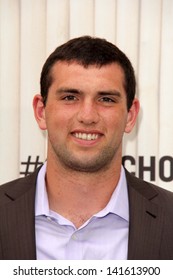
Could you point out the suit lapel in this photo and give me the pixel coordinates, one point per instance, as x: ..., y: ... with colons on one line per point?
x: 146, y: 220
x: 17, y: 220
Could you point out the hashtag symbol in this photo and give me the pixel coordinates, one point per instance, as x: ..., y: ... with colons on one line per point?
x: 34, y: 164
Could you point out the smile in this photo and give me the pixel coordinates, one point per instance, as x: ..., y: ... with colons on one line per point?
x: 86, y: 136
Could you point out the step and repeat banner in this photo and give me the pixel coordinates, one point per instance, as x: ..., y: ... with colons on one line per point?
x: 30, y: 30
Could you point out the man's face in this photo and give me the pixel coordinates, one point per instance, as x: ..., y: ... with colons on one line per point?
x: 86, y: 116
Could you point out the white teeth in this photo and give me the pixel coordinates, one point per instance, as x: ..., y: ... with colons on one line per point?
x: 85, y: 136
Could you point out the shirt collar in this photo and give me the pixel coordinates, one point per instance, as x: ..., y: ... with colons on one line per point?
x: 118, y: 203
x: 41, y: 198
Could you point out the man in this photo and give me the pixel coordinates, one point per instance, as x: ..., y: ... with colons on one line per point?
x: 82, y: 204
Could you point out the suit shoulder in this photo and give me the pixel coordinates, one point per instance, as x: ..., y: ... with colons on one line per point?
x: 18, y: 187
x: 12, y: 183
x: 149, y: 190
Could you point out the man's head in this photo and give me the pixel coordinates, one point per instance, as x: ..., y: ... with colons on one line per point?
x: 86, y: 104
x: 88, y: 51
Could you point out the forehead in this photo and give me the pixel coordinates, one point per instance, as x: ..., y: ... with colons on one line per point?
x: 63, y: 70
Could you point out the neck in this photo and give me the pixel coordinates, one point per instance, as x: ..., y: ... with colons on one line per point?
x: 78, y: 195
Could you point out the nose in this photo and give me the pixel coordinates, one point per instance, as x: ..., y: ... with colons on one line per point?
x: 88, y: 113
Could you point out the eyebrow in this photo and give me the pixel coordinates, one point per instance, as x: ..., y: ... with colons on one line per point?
x: 77, y: 91
x: 68, y: 90
x: 110, y: 93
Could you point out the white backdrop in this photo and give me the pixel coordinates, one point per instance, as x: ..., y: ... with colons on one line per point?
x: 31, y: 29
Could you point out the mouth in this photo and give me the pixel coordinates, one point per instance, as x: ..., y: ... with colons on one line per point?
x: 86, y: 136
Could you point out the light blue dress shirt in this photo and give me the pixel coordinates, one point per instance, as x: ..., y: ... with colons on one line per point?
x: 103, y: 236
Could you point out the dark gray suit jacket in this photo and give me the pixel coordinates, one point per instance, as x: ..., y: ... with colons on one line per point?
x: 151, y: 220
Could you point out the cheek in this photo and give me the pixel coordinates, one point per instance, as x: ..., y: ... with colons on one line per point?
x: 117, y: 120
x: 57, y: 120
x: 116, y: 127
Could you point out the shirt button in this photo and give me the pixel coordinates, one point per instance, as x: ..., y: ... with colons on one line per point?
x: 49, y: 219
x: 74, y: 237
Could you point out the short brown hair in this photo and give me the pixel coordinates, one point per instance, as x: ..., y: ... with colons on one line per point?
x: 88, y: 51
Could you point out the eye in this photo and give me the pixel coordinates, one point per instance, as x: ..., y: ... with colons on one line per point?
x: 107, y: 100
x: 69, y: 98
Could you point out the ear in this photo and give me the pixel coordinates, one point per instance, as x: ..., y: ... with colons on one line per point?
x: 132, y: 115
x: 39, y: 111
